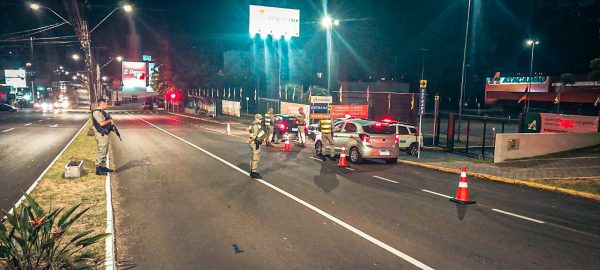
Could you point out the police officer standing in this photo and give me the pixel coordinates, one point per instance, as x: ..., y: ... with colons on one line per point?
x: 301, y: 121
x: 326, y: 129
x: 256, y: 135
x: 103, y: 125
x: 269, y: 122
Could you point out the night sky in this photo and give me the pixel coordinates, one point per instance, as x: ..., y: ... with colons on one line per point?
x: 378, y: 38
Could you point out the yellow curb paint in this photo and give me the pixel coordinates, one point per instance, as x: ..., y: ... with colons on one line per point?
x: 507, y: 180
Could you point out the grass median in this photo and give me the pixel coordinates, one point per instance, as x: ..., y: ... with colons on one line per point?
x: 54, y: 191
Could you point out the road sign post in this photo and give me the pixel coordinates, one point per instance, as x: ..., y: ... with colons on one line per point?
x: 423, y: 87
x: 436, y: 112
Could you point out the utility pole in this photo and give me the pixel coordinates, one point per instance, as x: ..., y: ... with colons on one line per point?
x: 33, y: 91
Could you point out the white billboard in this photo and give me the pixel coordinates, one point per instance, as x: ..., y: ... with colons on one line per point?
x: 135, y: 78
x: 277, y: 22
x: 15, y: 78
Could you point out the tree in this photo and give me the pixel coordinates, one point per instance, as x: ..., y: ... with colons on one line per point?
x: 595, y: 69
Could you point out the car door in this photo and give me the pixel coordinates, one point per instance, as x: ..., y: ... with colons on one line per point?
x: 404, y: 137
x: 339, y: 136
x: 345, y: 136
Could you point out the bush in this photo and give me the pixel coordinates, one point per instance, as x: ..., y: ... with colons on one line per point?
x: 34, y: 239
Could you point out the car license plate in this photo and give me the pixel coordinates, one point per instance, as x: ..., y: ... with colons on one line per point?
x: 294, y: 129
x: 384, y: 152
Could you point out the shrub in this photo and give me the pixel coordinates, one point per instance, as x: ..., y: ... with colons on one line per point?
x: 39, y: 240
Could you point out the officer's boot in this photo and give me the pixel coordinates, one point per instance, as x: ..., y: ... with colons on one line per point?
x: 254, y: 175
x: 106, y: 169
x: 100, y: 171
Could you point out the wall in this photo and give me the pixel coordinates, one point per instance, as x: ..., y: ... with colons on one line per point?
x: 537, y: 144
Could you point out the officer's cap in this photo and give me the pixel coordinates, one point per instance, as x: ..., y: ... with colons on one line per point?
x: 101, y: 100
x: 258, y: 116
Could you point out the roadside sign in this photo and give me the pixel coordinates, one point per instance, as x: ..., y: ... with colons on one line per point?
x: 423, y: 84
x: 321, y: 99
x: 422, y: 102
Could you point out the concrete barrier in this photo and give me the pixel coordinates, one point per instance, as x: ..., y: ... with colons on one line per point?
x: 521, y: 145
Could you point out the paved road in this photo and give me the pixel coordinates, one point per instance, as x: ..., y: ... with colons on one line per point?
x: 184, y: 201
x: 29, y: 141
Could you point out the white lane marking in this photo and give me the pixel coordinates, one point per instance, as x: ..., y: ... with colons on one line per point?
x: 213, y: 130
x: 53, y: 126
x: 316, y: 159
x: 46, y: 170
x: 348, y: 168
x: 7, y: 130
x: 197, y: 118
x: 519, y: 216
x: 40, y: 120
x: 308, y: 205
x: 109, y: 256
x: 28, y: 124
x: 385, y: 179
x: 435, y: 193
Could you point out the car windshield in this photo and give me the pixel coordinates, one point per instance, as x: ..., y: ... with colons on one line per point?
x: 379, y: 129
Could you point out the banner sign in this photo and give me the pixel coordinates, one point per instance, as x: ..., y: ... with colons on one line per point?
x: 274, y: 21
x: 292, y: 108
x: 422, y: 102
x: 560, y: 123
x: 231, y: 108
x: 15, y: 78
x: 355, y: 111
x: 321, y: 99
x: 539, y: 84
x: 133, y: 77
x: 318, y: 110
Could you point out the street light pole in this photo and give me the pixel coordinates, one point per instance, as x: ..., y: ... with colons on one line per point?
x: 328, y: 23
x: 462, y: 76
x: 422, y: 62
x: 532, y: 43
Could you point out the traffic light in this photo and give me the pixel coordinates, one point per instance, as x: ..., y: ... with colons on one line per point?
x: 173, y: 96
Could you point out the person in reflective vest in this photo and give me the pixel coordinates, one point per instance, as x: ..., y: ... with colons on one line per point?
x: 256, y: 136
x: 326, y: 129
x: 301, y: 121
x: 269, y: 122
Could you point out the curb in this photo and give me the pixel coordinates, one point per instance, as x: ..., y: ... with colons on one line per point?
x: 109, y: 243
x: 507, y: 180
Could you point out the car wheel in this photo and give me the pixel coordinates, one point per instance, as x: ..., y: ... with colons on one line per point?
x: 412, y: 149
x: 391, y: 161
x: 355, y: 155
x: 318, y: 148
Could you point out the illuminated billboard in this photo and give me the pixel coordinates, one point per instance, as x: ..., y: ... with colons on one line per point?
x: 15, y: 78
x: 277, y: 22
x: 135, y: 78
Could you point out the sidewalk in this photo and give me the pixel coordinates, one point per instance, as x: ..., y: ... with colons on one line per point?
x: 578, y: 174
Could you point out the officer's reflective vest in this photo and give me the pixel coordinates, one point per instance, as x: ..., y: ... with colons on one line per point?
x: 325, y: 126
x: 261, y: 132
x: 267, y: 119
x: 104, y: 130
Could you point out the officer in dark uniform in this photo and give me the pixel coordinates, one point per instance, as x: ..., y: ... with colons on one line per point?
x: 103, y: 126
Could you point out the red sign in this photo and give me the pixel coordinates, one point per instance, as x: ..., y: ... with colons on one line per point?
x: 354, y: 111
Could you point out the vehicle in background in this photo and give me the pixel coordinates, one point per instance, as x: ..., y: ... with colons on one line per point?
x: 363, y: 139
x: 408, y: 138
x: 285, y: 125
x: 7, y: 108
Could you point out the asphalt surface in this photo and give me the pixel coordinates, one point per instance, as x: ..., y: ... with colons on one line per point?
x: 183, y: 200
x: 29, y: 142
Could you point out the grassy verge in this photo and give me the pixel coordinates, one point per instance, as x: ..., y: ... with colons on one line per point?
x: 54, y: 191
x: 583, y: 184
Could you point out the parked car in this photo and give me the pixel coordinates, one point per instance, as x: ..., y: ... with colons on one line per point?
x: 285, y: 125
x: 7, y: 108
x: 363, y: 139
x: 408, y: 137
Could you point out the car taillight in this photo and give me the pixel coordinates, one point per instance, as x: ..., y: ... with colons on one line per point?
x: 396, y: 139
x: 281, y: 126
x: 365, y: 138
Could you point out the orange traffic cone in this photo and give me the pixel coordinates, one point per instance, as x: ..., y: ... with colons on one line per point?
x: 342, y: 162
x: 228, y: 132
x: 287, y: 147
x: 462, y: 194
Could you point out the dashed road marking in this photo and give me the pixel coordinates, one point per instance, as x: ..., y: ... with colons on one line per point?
x: 316, y: 159
x: 519, y: 216
x: 40, y: 120
x: 7, y: 130
x: 350, y: 169
x: 435, y: 193
x: 53, y: 126
x: 28, y: 124
x: 306, y: 204
x: 385, y: 179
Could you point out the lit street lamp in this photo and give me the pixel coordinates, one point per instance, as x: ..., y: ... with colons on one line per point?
x: 75, y: 57
x: 329, y: 23
x: 531, y: 43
